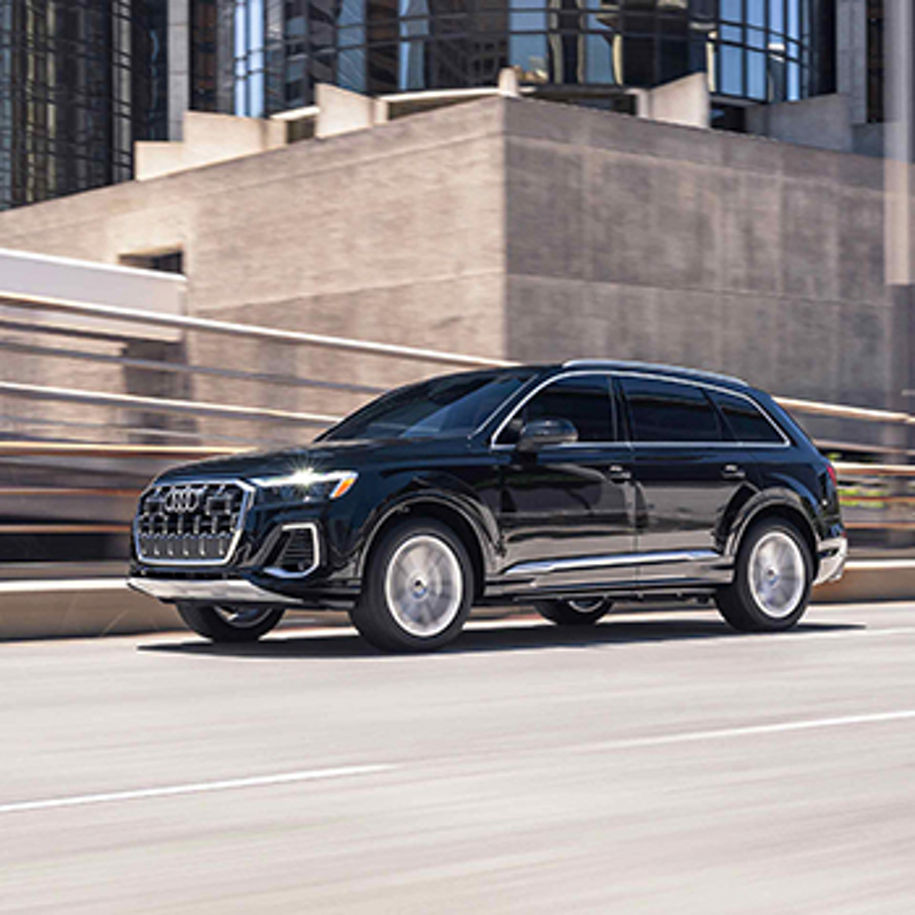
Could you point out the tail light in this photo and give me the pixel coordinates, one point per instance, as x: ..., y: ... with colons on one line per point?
x: 832, y: 474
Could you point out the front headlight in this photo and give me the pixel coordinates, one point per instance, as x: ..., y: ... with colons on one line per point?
x: 310, y: 486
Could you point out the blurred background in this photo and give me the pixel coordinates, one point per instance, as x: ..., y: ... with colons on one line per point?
x: 227, y: 222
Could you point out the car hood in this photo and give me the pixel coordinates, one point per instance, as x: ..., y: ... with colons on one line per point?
x: 321, y: 456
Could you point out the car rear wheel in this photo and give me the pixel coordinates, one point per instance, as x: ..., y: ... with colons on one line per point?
x: 772, y: 579
x: 584, y: 611
x: 223, y: 623
x: 417, y: 590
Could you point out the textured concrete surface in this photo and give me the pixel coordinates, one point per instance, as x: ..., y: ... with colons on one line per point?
x: 823, y: 121
x: 508, y: 228
x: 640, y: 240
x: 653, y: 765
x: 74, y: 606
x: 393, y: 234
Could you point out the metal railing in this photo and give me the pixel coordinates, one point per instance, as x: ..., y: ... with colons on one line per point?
x: 108, y: 474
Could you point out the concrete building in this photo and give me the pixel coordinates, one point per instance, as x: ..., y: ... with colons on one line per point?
x: 511, y: 228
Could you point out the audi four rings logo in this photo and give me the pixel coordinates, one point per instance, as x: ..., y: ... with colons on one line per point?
x: 183, y: 499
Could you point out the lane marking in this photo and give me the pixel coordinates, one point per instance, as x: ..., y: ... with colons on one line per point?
x: 229, y: 784
x: 45, y: 586
x: 344, y: 771
x: 809, y: 724
x: 875, y: 565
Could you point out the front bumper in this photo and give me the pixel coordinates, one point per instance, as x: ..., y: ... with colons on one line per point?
x: 211, y: 590
x: 832, y: 555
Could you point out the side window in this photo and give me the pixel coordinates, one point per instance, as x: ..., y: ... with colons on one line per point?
x: 744, y: 419
x: 584, y: 400
x: 664, y: 411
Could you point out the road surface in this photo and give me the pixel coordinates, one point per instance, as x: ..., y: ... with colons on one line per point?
x: 655, y: 764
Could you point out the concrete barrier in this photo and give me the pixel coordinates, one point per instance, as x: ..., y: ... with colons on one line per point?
x: 870, y: 580
x: 80, y: 608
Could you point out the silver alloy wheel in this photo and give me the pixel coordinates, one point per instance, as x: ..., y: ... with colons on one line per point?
x: 585, y: 605
x: 243, y: 617
x: 777, y: 574
x: 424, y: 585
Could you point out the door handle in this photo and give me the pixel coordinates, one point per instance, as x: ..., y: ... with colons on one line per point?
x: 618, y: 473
x: 733, y: 472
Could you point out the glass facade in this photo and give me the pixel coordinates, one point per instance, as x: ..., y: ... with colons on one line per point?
x: 753, y: 50
x: 204, y: 54
x: 80, y: 80
x: 875, y: 66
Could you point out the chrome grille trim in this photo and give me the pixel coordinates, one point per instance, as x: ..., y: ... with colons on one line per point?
x: 186, y: 539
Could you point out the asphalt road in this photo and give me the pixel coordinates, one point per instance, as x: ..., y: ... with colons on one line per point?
x: 656, y: 764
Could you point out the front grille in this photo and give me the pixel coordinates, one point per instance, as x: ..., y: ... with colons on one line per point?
x: 190, y: 523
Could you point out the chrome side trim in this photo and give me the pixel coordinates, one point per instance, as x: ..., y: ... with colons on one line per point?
x: 533, y: 393
x: 544, y: 567
x: 277, y: 572
x: 248, y: 491
x: 217, y: 590
x: 785, y: 443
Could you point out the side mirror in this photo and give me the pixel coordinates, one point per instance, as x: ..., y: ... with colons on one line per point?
x: 541, y: 433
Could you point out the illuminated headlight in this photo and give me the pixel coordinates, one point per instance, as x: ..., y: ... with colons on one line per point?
x: 310, y: 486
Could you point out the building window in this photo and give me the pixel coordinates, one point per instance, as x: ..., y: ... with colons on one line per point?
x: 875, y: 67
x: 204, y: 54
x: 164, y: 261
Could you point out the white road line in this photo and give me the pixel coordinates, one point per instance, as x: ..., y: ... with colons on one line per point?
x: 809, y: 724
x: 50, y: 585
x: 256, y: 781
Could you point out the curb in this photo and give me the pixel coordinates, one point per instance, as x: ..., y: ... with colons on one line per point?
x: 83, y: 608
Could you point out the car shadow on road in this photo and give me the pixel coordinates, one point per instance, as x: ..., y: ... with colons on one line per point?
x: 511, y: 637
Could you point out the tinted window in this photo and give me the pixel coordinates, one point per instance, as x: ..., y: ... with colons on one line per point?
x: 584, y: 400
x: 449, y: 405
x: 664, y: 411
x: 744, y: 419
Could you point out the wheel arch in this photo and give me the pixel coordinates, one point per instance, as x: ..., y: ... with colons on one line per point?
x: 786, y: 510
x: 440, y: 509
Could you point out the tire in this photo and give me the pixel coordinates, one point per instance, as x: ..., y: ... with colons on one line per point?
x: 772, y: 579
x: 221, y: 623
x: 584, y: 612
x: 418, y: 588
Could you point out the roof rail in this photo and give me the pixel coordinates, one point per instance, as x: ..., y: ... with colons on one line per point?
x: 627, y: 363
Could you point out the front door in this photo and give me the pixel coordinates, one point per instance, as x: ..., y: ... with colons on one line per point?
x: 567, y: 511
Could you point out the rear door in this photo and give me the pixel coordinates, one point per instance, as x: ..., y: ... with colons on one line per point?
x: 567, y: 511
x: 688, y: 474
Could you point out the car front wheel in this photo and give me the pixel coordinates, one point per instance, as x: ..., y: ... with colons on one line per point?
x: 417, y: 590
x: 772, y: 579
x: 222, y: 623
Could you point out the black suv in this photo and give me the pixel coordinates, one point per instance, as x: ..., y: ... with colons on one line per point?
x: 566, y: 486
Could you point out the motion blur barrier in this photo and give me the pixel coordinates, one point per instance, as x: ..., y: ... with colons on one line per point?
x: 568, y: 485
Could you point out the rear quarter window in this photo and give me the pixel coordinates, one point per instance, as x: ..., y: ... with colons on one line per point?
x: 745, y: 420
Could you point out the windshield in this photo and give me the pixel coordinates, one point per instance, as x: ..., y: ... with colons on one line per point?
x: 452, y: 405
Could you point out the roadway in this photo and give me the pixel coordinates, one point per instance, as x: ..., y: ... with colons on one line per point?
x: 656, y: 764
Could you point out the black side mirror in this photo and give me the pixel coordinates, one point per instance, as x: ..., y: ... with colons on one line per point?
x: 541, y: 433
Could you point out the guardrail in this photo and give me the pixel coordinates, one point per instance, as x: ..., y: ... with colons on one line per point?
x: 253, y: 332
x: 876, y: 496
